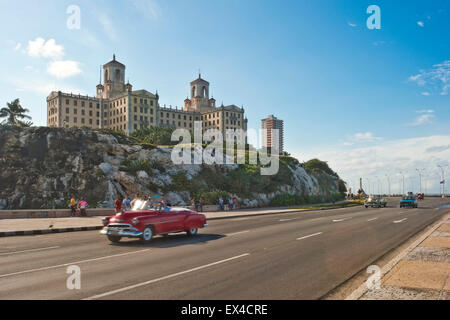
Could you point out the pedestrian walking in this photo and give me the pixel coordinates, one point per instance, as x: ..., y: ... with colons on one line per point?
x: 222, y: 208
x: 73, y: 206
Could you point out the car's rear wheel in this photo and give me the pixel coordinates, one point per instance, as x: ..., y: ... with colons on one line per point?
x: 114, y: 239
x: 147, y: 235
x: 192, y: 232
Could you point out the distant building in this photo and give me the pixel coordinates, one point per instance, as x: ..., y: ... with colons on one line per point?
x: 271, y: 122
x: 118, y: 107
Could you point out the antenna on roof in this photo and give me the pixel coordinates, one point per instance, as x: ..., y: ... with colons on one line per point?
x: 100, y: 74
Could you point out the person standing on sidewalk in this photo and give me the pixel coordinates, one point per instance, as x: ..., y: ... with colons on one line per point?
x: 118, y: 204
x: 73, y: 206
x: 201, y: 204
x: 126, y: 204
x: 82, y: 206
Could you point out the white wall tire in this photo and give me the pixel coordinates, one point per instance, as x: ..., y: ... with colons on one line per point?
x: 147, y: 235
x: 192, y: 232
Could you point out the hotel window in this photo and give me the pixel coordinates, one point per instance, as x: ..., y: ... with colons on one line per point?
x: 135, y: 117
x: 98, y: 122
x: 173, y: 115
x: 75, y: 103
x: 75, y: 119
x: 151, y: 103
x: 67, y: 101
x: 151, y: 119
x: 82, y: 112
x: 135, y: 100
x: 74, y: 111
x: 82, y: 103
x: 67, y: 110
x: 135, y: 109
x: 90, y: 121
x: 98, y: 114
x: 141, y: 110
x: 90, y: 113
x: 151, y: 111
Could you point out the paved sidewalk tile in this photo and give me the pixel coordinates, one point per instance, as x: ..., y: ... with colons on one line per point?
x: 444, y: 227
x: 419, y: 275
x: 398, y: 293
x: 429, y: 254
x: 440, y: 242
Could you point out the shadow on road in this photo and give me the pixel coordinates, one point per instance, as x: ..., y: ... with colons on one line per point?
x: 169, y: 241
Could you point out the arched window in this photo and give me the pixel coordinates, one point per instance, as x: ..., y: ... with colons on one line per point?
x: 106, y: 75
x: 204, y: 93
x: 117, y: 78
x: 193, y: 92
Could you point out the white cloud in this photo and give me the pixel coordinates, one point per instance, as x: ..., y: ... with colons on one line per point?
x: 352, y: 24
x: 149, y: 8
x: 64, y: 69
x: 435, y: 79
x: 426, y: 93
x: 364, y: 137
x: 18, y: 46
x: 108, y: 27
x: 40, y: 86
x: 426, y: 117
x: 46, y: 49
x: 420, y: 24
x: 389, y: 157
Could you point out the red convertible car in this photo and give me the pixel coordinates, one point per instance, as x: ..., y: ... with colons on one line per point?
x: 145, y: 224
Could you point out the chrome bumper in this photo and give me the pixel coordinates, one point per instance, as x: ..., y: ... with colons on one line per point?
x: 120, y: 233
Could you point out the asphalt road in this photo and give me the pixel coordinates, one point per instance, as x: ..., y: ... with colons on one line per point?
x: 284, y: 256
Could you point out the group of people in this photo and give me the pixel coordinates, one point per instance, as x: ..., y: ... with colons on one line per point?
x: 139, y: 203
x: 231, y: 203
x: 78, y: 208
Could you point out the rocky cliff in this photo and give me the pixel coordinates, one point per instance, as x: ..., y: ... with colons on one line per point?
x: 44, y: 167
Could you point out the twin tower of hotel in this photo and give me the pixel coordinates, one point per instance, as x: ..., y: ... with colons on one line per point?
x: 118, y: 107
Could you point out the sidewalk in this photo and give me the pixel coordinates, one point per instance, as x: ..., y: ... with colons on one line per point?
x: 423, y: 274
x: 14, y: 227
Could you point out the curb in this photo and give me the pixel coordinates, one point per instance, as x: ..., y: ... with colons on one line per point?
x: 62, y: 230
x: 362, y: 289
x: 47, y: 231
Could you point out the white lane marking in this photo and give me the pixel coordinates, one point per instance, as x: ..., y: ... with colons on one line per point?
x: 372, y: 219
x: 290, y: 219
x: 68, y: 264
x: 164, y: 278
x: 400, y: 221
x: 235, y: 233
x: 29, y: 250
x: 311, y: 235
x: 340, y: 220
x: 240, y: 219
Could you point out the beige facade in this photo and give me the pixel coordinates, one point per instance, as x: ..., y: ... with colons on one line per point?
x: 119, y: 108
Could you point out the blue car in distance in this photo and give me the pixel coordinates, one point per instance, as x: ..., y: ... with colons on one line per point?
x: 408, y: 201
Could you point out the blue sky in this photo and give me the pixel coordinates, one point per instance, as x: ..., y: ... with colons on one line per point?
x: 371, y: 102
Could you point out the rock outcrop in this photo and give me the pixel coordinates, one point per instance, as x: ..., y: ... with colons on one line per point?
x: 43, y: 167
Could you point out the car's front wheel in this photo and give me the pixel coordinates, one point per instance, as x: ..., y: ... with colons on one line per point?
x: 114, y: 239
x: 147, y: 235
x: 192, y: 232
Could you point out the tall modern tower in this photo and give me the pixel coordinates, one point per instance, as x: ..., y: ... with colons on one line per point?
x: 271, y: 122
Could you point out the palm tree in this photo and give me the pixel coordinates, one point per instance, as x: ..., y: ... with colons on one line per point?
x: 15, y: 113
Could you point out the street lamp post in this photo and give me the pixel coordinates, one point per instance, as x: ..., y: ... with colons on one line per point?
x: 420, y: 179
x: 389, y: 185
x: 403, y: 189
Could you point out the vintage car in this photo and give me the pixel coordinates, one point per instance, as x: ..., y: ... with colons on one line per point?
x: 375, y: 202
x: 145, y: 223
x: 408, y: 200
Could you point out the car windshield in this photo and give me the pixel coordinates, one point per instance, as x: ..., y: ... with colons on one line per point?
x: 141, y: 205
